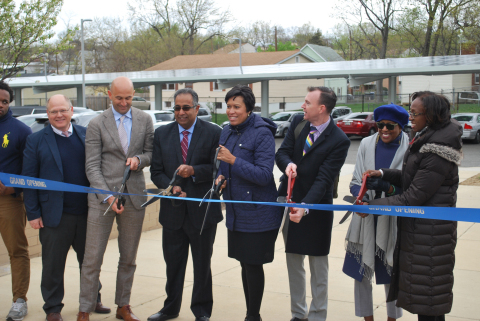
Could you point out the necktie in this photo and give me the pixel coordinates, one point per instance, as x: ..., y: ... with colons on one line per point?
x: 184, y: 145
x: 309, y: 141
x: 123, y: 135
x: 65, y: 133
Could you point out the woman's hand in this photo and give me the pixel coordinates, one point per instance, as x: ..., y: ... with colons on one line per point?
x: 217, y: 181
x: 225, y: 155
x: 372, y: 173
x: 363, y: 215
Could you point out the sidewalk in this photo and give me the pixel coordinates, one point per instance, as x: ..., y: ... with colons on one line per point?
x: 149, y: 285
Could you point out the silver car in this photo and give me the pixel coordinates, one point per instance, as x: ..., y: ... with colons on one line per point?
x: 471, y: 126
x: 283, y: 121
x: 340, y: 112
x: 140, y: 103
x: 160, y: 115
x: 203, y: 113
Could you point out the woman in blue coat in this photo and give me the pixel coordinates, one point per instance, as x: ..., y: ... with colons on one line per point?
x: 248, y: 157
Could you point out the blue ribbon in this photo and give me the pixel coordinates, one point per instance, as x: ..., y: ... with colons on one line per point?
x: 438, y: 213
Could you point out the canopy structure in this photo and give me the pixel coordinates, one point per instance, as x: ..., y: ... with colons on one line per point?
x: 357, y: 72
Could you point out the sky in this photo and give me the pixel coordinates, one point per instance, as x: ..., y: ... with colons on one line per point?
x: 294, y: 13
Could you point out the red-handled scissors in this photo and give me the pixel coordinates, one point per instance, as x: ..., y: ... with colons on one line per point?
x: 291, y: 183
x: 358, y: 200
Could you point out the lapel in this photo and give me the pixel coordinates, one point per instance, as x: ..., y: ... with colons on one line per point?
x: 111, y: 127
x: 136, y: 125
x: 176, y: 142
x: 321, y: 138
x: 80, y: 135
x: 197, y: 132
x: 52, y: 144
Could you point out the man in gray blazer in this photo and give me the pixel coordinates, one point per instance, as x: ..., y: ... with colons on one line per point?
x: 121, y: 136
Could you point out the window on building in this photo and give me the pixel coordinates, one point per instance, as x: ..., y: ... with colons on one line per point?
x: 214, y: 86
x: 168, y: 104
x: 168, y: 86
x: 297, y: 59
x: 477, y: 79
x: 189, y: 85
x: 218, y: 105
x: 282, y: 105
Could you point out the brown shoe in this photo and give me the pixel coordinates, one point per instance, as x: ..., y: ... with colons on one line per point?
x: 83, y: 316
x: 126, y: 313
x: 100, y: 308
x: 54, y: 317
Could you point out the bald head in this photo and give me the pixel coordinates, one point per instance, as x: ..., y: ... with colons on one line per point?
x: 59, y: 100
x: 121, y: 94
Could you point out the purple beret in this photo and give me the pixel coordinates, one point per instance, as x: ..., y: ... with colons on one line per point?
x: 391, y: 112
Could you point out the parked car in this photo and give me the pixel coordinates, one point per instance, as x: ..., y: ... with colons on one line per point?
x: 471, y: 126
x: 340, y: 112
x: 82, y: 119
x: 160, y: 115
x: 140, y: 103
x: 283, y: 121
x: 361, y: 124
x: 31, y: 110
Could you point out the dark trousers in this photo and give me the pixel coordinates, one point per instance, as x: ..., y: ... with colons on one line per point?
x: 56, y: 242
x: 175, y: 253
x: 431, y: 318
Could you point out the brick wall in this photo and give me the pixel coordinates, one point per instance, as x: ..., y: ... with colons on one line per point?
x: 35, y: 248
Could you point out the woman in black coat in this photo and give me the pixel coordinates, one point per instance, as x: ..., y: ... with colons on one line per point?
x: 424, y: 257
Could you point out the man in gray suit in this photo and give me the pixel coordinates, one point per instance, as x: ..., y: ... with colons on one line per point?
x: 121, y: 136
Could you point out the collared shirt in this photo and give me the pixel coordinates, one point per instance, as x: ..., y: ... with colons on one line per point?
x: 190, y: 132
x: 127, y: 122
x: 59, y: 132
x: 320, y: 129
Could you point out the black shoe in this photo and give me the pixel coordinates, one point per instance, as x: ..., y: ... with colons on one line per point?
x: 252, y: 318
x: 202, y: 319
x: 297, y: 319
x: 159, y: 316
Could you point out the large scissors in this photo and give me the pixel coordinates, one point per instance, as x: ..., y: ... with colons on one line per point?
x: 165, y: 192
x: 121, y: 198
x: 286, y: 199
x: 358, y: 200
x: 215, y: 187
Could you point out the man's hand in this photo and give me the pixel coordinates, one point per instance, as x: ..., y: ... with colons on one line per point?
x: 372, y: 173
x: 291, y: 168
x: 37, y: 223
x: 178, y: 189
x: 133, y: 162
x: 114, y: 206
x: 185, y: 171
x: 225, y: 155
x: 6, y: 190
x: 296, y: 214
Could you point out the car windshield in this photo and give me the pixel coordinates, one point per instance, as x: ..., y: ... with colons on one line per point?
x: 357, y: 116
x: 463, y: 118
x: 281, y: 117
x: 164, y: 117
x: 85, y: 119
x: 27, y: 120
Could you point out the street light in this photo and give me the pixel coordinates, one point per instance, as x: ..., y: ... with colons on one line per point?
x: 44, y: 56
x: 83, y: 64
x: 240, y: 53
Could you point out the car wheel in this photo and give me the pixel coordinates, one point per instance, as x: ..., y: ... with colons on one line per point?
x: 372, y: 131
x: 284, y: 133
x: 476, y: 140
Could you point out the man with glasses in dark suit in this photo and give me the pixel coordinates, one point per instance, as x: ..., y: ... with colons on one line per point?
x: 187, y: 145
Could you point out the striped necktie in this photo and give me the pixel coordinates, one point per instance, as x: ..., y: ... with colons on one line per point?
x: 184, y: 145
x: 310, y: 139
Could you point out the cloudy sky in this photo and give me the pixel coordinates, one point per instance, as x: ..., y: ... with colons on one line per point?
x: 294, y: 13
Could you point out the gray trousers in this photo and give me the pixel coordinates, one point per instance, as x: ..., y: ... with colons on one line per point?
x: 298, y: 285
x: 129, y: 225
x: 364, y: 300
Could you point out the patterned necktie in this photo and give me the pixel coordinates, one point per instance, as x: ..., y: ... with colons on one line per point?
x: 65, y: 133
x: 123, y: 135
x: 184, y: 145
x: 309, y: 141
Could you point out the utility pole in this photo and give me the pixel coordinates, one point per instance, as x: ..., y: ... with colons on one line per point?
x: 276, y: 46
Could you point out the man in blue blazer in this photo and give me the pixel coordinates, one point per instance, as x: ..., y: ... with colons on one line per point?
x: 57, y: 153
x: 315, y: 158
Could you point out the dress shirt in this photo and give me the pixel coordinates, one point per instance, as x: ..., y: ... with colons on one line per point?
x: 190, y: 132
x: 59, y: 132
x: 127, y: 122
x: 320, y: 129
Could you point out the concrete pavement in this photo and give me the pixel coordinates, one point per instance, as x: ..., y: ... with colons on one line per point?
x: 148, y: 289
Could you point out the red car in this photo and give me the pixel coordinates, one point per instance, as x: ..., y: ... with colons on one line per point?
x: 361, y: 124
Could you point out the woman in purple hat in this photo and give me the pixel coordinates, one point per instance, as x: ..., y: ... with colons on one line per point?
x: 370, y: 240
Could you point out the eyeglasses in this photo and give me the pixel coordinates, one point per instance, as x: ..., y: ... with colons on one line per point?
x: 184, y: 108
x: 61, y: 111
x: 413, y: 115
x: 390, y: 126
